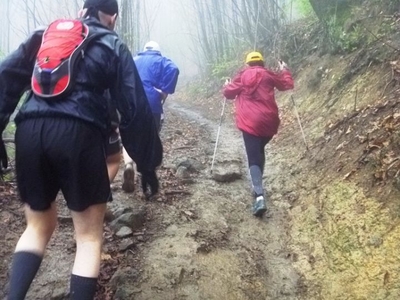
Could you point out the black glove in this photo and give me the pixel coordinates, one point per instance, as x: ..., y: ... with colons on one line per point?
x: 150, y: 182
x: 3, y: 156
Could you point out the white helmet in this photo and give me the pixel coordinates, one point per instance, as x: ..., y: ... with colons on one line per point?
x: 151, y: 46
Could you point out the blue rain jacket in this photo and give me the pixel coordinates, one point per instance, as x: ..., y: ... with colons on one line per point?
x: 156, y: 72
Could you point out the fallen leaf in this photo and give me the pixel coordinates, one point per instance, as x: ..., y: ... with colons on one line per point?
x: 362, y: 139
x: 386, y: 278
x: 342, y: 145
x: 348, y: 175
x: 188, y: 213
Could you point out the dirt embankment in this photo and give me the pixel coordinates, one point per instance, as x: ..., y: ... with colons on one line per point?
x: 344, y: 218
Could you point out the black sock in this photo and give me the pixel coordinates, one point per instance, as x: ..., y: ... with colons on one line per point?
x: 24, y: 268
x: 82, y: 288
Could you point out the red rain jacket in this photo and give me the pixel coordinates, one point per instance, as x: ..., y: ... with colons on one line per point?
x: 256, y: 109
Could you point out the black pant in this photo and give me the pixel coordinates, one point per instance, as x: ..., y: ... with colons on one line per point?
x: 255, y: 149
x: 157, y: 119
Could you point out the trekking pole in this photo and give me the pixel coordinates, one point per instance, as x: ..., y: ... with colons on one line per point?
x: 298, y: 120
x: 219, y: 130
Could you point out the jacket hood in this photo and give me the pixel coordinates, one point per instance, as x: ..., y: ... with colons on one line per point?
x: 251, y: 78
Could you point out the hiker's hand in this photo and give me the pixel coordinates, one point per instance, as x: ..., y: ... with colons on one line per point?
x: 164, y: 97
x: 149, y: 183
x: 227, y: 81
x: 282, y: 65
x: 3, y: 156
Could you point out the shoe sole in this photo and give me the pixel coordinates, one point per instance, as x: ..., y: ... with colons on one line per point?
x: 260, y: 212
x: 129, y: 181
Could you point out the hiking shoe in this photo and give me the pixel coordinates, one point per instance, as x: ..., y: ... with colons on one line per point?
x: 128, y: 184
x: 259, y: 207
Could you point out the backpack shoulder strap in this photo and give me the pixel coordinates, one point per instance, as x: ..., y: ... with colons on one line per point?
x: 106, y: 37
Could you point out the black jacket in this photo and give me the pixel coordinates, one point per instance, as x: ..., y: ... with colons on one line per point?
x: 107, y: 65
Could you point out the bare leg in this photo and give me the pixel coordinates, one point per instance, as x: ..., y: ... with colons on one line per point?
x: 39, y: 229
x: 89, y: 238
x: 113, y: 162
x: 127, y: 158
x: 128, y: 184
x: 30, y: 249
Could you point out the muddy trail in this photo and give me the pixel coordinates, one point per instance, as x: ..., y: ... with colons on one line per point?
x: 196, y: 240
x: 210, y: 246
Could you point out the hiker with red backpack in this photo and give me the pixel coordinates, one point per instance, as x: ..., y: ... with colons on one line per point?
x: 257, y: 115
x: 61, y: 135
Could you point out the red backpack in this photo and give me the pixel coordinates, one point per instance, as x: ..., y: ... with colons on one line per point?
x: 63, y: 45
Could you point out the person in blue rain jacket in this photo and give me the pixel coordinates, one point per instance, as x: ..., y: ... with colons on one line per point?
x: 159, y: 76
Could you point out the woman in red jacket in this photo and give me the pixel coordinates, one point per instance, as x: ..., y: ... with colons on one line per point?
x: 257, y: 114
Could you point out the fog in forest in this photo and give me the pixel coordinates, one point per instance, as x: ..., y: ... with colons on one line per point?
x: 200, y: 36
x: 167, y: 22
x: 173, y: 27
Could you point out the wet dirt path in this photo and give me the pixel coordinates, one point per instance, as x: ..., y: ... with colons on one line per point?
x: 209, y: 246
x: 199, y: 240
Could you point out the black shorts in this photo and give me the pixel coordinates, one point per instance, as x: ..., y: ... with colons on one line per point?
x: 113, y: 143
x: 54, y: 154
